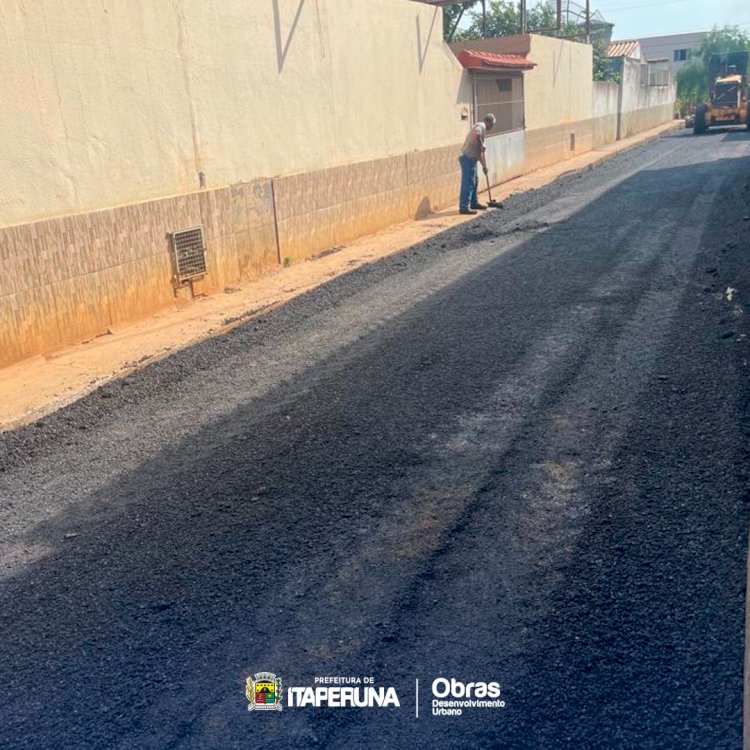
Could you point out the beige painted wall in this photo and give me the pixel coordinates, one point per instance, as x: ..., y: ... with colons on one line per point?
x: 107, y: 102
x: 559, y: 89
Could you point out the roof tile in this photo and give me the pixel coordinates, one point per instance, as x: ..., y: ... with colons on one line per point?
x: 476, y: 60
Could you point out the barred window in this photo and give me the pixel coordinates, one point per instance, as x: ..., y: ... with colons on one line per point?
x: 501, y: 95
x: 658, y: 76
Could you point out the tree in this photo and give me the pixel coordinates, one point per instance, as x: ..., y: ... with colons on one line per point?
x: 541, y: 16
x: 504, y: 19
x: 692, y: 79
x: 728, y: 39
x: 451, y: 14
x: 692, y: 84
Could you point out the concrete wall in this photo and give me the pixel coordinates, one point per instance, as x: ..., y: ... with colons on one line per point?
x: 558, y: 90
x: 107, y: 103
x: 604, y: 107
x: 506, y: 157
x: 558, y: 101
x: 642, y: 106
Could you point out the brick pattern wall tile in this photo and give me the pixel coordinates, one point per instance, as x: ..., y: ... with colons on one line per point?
x: 65, y: 280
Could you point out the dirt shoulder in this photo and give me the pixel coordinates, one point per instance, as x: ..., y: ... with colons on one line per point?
x: 42, y: 384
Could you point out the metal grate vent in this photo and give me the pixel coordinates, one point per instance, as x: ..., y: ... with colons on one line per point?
x: 189, y: 253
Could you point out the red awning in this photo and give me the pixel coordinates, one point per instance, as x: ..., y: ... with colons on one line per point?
x: 475, y: 60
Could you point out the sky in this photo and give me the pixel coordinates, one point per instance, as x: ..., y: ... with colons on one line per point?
x: 641, y: 18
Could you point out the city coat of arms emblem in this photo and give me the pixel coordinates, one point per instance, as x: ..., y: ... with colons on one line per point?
x: 263, y: 690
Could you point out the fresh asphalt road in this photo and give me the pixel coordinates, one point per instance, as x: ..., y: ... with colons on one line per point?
x: 516, y: 452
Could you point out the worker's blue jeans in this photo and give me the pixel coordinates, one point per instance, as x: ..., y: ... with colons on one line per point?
x: 469, y: 182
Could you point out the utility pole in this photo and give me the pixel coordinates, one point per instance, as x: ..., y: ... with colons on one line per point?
x: 523, y: 16
x: 588, y: 21
x: 484, y: 19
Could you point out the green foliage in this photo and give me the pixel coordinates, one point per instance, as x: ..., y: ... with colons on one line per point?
x: 602, y: 65
x: 728, y: 39
x: 692, y: 79
x: 541, y: 16
x: 450, y: 16
x: 504, y: 19
x: 692, y: 82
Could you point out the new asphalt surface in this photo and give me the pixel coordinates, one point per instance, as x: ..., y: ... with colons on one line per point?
x: 517, y: 452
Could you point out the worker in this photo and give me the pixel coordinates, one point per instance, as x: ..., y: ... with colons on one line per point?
x: 472, y: 152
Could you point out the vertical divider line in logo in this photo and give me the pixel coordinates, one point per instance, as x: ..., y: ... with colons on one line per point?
x: 416, y: 693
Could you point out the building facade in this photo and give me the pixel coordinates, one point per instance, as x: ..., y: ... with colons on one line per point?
x: 675, y: 48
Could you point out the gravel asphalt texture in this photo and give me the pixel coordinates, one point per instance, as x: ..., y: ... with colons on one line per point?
x: 517, y: 451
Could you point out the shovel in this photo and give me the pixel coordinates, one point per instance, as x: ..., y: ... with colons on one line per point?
x: 490, y: 202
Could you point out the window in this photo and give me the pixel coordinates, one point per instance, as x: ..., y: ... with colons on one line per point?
x: 643, y: 74
x: 727, y: 95
x: 503, y: 97
x: 657, y: 76
x: 680, y: 55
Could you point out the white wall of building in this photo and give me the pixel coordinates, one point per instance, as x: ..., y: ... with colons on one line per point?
x: 658, y: 47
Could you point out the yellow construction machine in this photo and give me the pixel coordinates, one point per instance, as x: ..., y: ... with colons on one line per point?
x: 728, y: 93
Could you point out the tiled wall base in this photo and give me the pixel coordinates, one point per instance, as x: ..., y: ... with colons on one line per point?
x: 319, y: 210
x: 68, y: 279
